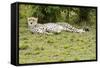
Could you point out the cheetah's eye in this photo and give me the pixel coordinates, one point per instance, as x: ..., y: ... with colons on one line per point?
x: 29, y: 20
x: 33, y: 20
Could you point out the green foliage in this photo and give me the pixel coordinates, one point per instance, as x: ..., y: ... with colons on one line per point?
x: 25, y: 11
x: 46, y: 14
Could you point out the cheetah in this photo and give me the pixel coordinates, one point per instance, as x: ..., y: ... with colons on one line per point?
x: 50, y: 27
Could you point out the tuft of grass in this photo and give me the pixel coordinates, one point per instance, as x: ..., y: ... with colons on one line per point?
x: 76, y: 58
x: 39, y: 48
x: 66, y: 46
x: 23, y: 47
x: 36, y: 52
x: 61, y: 60
x: 50, y: 41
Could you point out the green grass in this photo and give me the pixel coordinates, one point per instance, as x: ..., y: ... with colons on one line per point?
x: 66, y: 46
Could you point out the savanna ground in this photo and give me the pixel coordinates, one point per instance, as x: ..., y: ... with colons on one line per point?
x: 66, y: 46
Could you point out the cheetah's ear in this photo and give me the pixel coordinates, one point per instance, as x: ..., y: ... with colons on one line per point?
x: 28, y: 18
x: 37, y: 18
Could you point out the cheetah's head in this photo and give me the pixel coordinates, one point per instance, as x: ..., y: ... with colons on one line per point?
x: 32, y: 21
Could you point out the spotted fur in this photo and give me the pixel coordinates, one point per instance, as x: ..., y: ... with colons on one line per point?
x: 34, y: 27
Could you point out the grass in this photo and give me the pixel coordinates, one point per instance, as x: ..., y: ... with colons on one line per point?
x: 66, y: 46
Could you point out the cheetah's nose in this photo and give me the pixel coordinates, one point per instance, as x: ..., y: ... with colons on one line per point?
x: 30, y: 22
